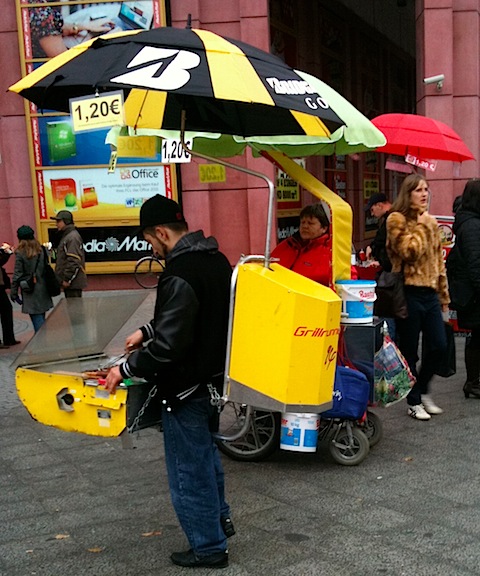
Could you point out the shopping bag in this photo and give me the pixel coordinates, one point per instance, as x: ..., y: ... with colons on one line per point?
x: 447, y: 365
x: 393, y: 377
x: 390, y: 302
x: 351, y: 391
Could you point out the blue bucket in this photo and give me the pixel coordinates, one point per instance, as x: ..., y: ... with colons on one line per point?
x: 357, y: 297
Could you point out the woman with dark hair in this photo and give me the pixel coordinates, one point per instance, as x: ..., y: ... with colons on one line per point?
x: 308, y: 251
x: 414, y: 247
x: 30, y: 258
x: 467, y: 233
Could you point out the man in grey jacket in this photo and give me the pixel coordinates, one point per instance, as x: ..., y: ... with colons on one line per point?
x: 70, y: 264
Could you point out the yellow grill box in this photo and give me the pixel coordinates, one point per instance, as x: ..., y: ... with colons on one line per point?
x: 52, y: 371
x: 284, y: 340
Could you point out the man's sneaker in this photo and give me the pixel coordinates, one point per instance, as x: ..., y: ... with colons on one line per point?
x: 418, y: 412
x: 430, y: 405
x: 189, y: 559
x: 227, y: 525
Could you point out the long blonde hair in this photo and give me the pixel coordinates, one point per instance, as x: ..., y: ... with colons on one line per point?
x: 404, y: 199
x: 30, y: 248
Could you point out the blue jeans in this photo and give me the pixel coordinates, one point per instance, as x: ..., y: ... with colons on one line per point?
x: 425, y: 316
x: 195, y: 475
x: 37, y: 321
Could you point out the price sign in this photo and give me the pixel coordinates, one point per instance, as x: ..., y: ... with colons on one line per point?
x: 211, y: 173
x: 137, y: 146
x: 174, y: 153
x: 94, y: 112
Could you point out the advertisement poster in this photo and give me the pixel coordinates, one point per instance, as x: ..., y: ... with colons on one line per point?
x: 94, y: 194
x: 70, y: 169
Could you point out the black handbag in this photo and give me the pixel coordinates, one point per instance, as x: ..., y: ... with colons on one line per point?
x: 391, y: 301
x: 27, y: 285
x: 51, y: 280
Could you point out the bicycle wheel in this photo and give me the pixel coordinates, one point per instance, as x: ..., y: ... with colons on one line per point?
x: 348, y: 445
x: 147, y: 271
x: 261, y: 439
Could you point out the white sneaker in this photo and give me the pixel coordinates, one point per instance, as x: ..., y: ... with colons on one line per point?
x: 418, y: 412
x: 430, y: 405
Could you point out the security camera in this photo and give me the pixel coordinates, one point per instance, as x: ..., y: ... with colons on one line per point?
x: 438, y: 80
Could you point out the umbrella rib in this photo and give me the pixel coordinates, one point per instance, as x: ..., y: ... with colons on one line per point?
x: 139, y: 115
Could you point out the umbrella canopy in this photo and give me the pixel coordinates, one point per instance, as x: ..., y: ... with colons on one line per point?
x: 357, y: 135
x: 223, y: 85
x: 422, y: 137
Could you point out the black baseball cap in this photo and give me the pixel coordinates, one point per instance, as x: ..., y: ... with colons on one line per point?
x: 159, y: 210
x: 64, y: 215
x: 375, y: 199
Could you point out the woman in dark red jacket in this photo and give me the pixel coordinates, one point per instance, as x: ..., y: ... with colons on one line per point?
x: 309, y: 251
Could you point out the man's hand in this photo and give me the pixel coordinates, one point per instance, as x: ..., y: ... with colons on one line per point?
x: 368, y: 252
x: 113, y: 379
x: 134, y: 341
x: 65, y: 284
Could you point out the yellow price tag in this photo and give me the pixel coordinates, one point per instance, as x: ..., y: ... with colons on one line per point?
x: 137, y: 146
x: 94, y: 112
x: 212, y: 173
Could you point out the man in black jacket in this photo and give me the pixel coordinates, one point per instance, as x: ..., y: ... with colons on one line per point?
x: 379, y: 207
x: 183, y: 351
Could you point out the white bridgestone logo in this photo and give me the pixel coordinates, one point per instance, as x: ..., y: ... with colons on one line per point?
x: 173, y: 76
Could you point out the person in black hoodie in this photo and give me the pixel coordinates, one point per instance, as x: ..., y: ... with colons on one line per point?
x: 183, y: 351
x: 467, y: 239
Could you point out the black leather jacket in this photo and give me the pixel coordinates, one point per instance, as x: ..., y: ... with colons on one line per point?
x: 188, y: 334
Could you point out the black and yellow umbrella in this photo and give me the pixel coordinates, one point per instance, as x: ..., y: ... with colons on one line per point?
x: 223, y: 85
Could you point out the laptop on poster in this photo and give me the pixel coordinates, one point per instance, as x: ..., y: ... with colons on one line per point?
x: 134, y: 16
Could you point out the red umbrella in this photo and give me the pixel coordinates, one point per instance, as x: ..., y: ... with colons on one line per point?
x: 422, y: 137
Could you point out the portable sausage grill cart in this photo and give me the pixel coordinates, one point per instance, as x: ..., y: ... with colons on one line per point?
x: 281, y: 357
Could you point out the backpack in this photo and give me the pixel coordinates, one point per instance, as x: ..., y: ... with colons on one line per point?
x: 462, y: 293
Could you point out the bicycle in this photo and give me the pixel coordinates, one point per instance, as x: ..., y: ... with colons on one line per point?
x: 148, y: 270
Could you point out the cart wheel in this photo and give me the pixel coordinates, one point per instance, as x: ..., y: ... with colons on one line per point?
x: 349, y: 445
x: 372, y: 427
x: 261, y: 439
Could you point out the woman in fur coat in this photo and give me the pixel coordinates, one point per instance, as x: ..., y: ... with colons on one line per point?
x: 414, y: 247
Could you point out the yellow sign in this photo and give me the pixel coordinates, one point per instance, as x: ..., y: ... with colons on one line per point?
x: 370, y: 187
x: 94, y: 112
x: 137, y: 146
x: 212, y: 173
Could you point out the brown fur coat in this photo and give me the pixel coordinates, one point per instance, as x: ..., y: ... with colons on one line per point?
x: 419, y: 248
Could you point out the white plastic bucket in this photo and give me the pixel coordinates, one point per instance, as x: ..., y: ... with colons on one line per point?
x: 299, y: 432
x: 357, y: 297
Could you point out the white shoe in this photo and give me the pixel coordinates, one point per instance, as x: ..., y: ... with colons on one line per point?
x: 418, y: 412
x: 430, y: 405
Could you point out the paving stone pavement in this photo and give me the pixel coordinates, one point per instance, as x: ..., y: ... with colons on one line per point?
x: 76, y: 505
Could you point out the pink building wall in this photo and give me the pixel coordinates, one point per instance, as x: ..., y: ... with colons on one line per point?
x: 448, y: 43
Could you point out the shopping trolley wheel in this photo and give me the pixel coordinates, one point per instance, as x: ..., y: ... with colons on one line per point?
x: 261, y: 439
x: 372, y: 427
x: 348, y: 445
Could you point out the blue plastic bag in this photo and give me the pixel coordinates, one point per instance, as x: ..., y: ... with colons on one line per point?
x: 351, y: 391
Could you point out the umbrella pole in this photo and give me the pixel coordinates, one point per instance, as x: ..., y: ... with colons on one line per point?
x: 271, y: 187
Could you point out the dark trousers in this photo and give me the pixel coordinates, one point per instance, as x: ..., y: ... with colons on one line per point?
x: 425, y: 316
x: 6, y: 313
